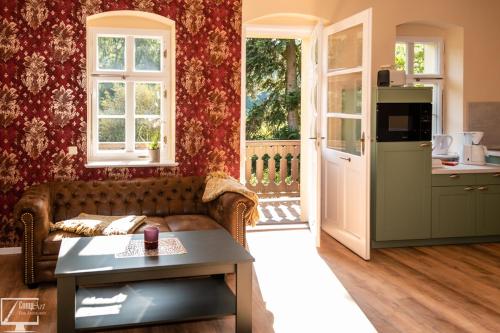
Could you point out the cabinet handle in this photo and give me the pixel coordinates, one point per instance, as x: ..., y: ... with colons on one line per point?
x: 482, y: 188
x: 469, y: 188
x: 454, y: 176
x: 427, y: 144
x: 496, y: 175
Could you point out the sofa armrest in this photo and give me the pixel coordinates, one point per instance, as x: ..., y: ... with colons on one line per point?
x: 32, y: 211
x: 231, y: 210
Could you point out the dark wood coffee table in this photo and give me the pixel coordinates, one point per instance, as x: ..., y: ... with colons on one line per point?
x: 95, y: 290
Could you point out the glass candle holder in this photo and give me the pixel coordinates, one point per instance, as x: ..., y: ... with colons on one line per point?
x: 151, y: 234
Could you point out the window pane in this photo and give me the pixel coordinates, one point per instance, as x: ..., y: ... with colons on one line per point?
x: 111, y: 98
x: 111, y: 53
x: 426, y: 58
x: 344, y: 135
x: 147, y: 54
x: 401, y: 56
x: 146, y: 129
x: 344, y: 93
x: 111, y: 130
x: 345, y: 48
x: 147, y: 98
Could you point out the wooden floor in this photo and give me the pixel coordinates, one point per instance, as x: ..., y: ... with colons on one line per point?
x: 424, y: 289
x: 453, y: 288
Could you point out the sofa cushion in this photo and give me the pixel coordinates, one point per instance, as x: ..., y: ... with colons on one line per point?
x: 156, y: 221
x: 191, y: 222
x: 52, y: 242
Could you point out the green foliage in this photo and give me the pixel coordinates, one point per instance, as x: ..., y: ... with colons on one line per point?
x: 147, y: 98
x: 154, y: 141
x: 418, y: 57
x: 400, y: 58
x: 111, y: 98
x: 112, y: 102
x: 111, y: 53
x: 269, y: 102
x: 418, y: 64
x: 147, y: 54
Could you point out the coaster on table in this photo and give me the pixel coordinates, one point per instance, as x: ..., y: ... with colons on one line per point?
x: 166, y: 247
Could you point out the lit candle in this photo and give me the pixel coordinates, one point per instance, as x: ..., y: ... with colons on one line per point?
x: 151, y: 237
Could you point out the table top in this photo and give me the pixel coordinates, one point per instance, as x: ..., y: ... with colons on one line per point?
x: 466, y: 168
x: 82, y: 256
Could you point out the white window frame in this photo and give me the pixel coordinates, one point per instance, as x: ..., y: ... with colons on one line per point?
x: 166, y: 77
x: 437, y: 79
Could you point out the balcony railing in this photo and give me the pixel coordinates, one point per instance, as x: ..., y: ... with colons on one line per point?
x: 273, y: 167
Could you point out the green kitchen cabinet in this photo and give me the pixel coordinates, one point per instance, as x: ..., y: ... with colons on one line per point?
x: 403, y: 191
x: 453, y: 211
x: 488, y: 210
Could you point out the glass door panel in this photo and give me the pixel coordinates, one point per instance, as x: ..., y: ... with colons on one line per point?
x: 344, y: 93
x: 344, y: 134
x: 345, y: 48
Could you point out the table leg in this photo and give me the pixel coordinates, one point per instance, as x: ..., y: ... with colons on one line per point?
x: 244, y: 298
x: 66, y: 305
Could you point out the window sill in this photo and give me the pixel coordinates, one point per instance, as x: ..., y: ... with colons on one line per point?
x: 129, y: 164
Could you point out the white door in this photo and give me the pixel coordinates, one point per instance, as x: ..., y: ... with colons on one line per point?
x: 346, y: 81
x: 314, y: 139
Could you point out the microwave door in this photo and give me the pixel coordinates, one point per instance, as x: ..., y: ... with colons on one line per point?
x: 393, y: 122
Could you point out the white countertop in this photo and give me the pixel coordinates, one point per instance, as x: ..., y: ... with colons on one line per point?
x: 466, y: 168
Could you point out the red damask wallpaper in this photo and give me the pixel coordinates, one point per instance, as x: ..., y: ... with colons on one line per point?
x: 43, y: 98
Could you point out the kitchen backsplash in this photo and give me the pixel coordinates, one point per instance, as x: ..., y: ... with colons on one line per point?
x: 485, y: 117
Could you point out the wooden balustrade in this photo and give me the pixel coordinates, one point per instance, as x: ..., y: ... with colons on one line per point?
x: 273, y: 167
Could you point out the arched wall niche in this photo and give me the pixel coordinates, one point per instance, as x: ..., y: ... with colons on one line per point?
x: 452, y: 35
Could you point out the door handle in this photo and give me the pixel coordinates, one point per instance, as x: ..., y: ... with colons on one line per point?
x: 427, y: 144
x: 314, y: 138
x: 348, y: 159
x: 482, y: 188
x: 469, y: 188
x: 362, y: 139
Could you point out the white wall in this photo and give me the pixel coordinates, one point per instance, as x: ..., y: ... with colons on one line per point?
x: 480, y: 20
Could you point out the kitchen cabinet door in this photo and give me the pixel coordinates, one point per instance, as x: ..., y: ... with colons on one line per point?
x: 403, y: 189
x: 453, y: 211
x: 488, y: 210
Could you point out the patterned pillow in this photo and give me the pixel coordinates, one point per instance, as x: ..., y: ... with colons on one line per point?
x: 97, y: 225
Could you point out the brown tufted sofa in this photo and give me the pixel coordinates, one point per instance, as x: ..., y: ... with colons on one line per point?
x: 171, y: 203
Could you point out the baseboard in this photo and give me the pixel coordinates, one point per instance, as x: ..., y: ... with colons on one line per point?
x: 10, y: 250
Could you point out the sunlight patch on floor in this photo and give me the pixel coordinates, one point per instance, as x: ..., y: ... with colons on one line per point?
x: 299, y: 288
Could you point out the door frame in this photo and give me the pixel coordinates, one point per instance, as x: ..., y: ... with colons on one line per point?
x: 303, y: 32
x: 364, y: 17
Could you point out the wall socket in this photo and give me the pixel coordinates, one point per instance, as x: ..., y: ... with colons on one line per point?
x: 72, y: 150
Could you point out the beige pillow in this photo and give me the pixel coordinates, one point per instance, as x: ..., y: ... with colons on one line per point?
x: 97, y: 225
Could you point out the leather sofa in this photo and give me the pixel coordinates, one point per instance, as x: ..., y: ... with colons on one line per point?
x: 171, y: 203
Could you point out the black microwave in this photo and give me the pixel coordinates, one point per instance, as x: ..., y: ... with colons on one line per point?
x: 404, y: 122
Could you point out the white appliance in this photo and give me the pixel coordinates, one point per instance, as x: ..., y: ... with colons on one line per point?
x: 441, y: 144
x: 388, y: 76
x: 471, y: 151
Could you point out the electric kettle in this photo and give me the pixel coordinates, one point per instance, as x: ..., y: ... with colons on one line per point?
x: 442, y: 143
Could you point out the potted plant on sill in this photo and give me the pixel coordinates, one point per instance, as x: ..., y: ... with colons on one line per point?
x: 154, y: 148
